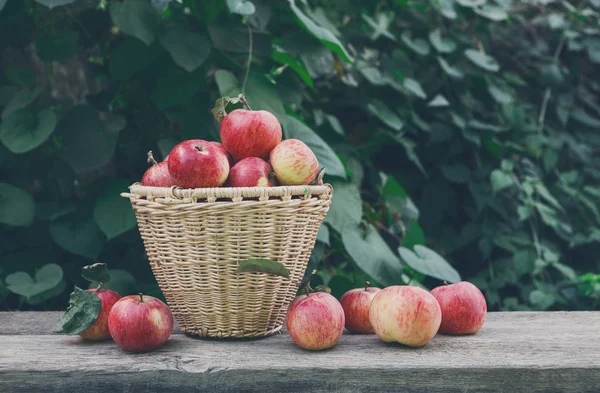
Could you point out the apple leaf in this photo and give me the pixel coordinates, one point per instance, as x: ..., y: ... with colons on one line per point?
x: 84, y: 308
x: 96, y: 272
x: 219, y: 111
x: 318, y: 288
x: 263, y: 266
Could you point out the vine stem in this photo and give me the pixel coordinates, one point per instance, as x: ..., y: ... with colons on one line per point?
x: 249, y: 59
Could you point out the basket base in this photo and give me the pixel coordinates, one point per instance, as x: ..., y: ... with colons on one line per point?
x: 205, y: 333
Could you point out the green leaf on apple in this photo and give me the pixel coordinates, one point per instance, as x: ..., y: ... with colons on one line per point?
x: 263, y: 266
x: 96, y: 272
x: 84, y: 308
x: 430, y: 263
x: 218, y: 110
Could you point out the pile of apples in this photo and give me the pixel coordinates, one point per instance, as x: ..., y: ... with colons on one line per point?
x: 405, y: 314
x: 252, y: 154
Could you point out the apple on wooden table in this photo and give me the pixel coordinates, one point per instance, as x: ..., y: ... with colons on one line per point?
x: 463, y: 307
x: 405, y: 314
x: 356, y: 303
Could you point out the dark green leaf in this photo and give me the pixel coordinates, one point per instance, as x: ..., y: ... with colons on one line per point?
x: 96, y: 272
x: 177, y: 87
x: 22, y: 131
x: 57, y: 46
x: 84, y: 308
x: 55, y: 3
x: 323, y: 235
x: 346, y: 207
x: 20, y: 100
x: 419, y: 46
x: 241, y: 7
x: 78, y: 235
x: 500, y: 180
x: 430, y: 263
x: 135, y: 17
x: 414, y: 236
x: 130, y: 57
x: 262, y: 95
x: 451, y: 71
x: 471, y: 3
x: 499, y: 95
x: 263, y: 266
x: 227, y: 83
x: 112, y: 213
x: 325, y: 155
x: 17, y: 207
x: 541, y: 300
x: 457, y: 173
x: 482, y: 60
x: 23, y: 77
x: 582, y: 116
x: 383, y: 113
x: 295, y: 64
x: 372, y: 255
x: 414, y: 87
x: 446, y: 8
x: 397, y: 198
x: 188, y: 49
x: 492, y: 12
x: 47, y: 278
x: 322, y: 34
x: 441, y: 44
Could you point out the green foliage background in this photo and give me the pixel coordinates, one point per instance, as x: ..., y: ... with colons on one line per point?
x: 468, y: 127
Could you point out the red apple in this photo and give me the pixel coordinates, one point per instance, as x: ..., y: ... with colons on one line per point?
x: 158, y: 174
x: 463, y: 308
x: 140, y: 323
x: 294, y: 163
x: 250, y: 172
x: 99, y: 329
x: 315, y: 321
x: 196, y: 164
x: 356, y: 303
x: 220, y: 146
x: 405, y: 314
x: 246, y: 133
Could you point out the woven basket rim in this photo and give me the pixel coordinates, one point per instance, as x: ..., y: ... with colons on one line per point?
x: 228, y: 192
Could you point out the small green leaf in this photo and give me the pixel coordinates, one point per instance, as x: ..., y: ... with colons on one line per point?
x: 385, y: 114
x: 23, y: 130
x: 500, y: 180
x: 449, y: 70
x: 20, y: 100
x: 492, y: 12
x: 84, y: 308
x: 263, y: 266
x: 499, y: 95
x: 17, y: 207
x: 471, y: 3
x: 96, y: 272
x: 446, y: 8
x: 430, y: 263
x: 55, y: 3
x: 438, y: 101
x: 457, y: 173
x: 420, y: 46
x: 441, y: 44
x: 295, y: 64
x: 482, y: 60
x: 380, y: 25
x: 414, y: 87
x: 219, y: 110
x: 241, y: 7
x: 188, y: 49
x: 322, y: 34
x: 135, y: 17
x: 112, y: 213
x: 541, y: 300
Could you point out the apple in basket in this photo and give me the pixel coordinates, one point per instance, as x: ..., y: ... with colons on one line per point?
x: 197, y: 163
x: 251, y: 172
x: 315, y: 319
x: 294, y: 163
x: 356, y: 303
x: 158, y: 174
x: 247, y: 133
x: 140, y: 323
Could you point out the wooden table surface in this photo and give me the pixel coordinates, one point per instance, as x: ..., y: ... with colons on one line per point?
x: 514, y: 352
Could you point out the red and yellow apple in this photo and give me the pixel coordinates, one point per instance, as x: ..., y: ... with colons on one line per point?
x: 158, y: 174
x: 197, y: 163
x: 222, y: 148
x: 356, y: 303
x: 246, y: 133
x: 250, y: 172
x: 99, y: 329
x: 140, y: 323
x: 405, y: 314
x: 294, y: 163
x: 315, y: 321
x: 463, y: 308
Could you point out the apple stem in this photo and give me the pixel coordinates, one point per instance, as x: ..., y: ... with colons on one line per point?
x: 367, y: 283
x: 243, y: 101
x: 151, y: 159
x: 100, y: 285
x: 446, y: 283
x: 141, y: 297
x: 306, y: 283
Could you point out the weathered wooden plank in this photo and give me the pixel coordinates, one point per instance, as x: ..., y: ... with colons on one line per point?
x: 533, y: 352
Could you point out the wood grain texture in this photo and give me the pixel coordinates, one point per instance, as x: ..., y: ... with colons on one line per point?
x: 529, y: 352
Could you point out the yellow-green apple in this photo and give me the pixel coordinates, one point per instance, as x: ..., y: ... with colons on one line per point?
x: 356, y: 303
x: 315, y: 320
x: 251, y: 172
x: 405, y: 314
x: 294, y: 163
x: 140, y: 323
x: 463, y: 308
x: 99, y: 329
x: 158, y: 174
x: 197, y: 163
x: 246, y: 133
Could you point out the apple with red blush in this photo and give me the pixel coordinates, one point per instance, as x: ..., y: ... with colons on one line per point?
x: 140, y: 323
x: 222, y: 148
x: 251, y: 172
x: 315, y: 319
x: 294, y: 163
x: 405, y: 314
x: 463, y: 308
x: 99, y: 329
x: 197, y: 163
x: 158, y: 174
x: 356, y: 303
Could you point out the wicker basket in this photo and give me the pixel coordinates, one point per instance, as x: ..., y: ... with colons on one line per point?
x: 195, y: 239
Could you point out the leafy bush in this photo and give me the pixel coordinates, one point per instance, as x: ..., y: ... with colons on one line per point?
x: 469, y: 127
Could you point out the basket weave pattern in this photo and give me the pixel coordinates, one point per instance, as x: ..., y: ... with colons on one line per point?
x: 196, y: 238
